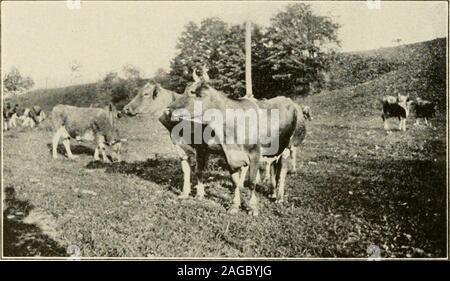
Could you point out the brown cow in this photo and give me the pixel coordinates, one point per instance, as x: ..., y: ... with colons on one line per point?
x: 287, y: 123
x: 87, y: 124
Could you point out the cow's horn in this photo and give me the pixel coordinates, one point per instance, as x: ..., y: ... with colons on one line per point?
x: 194, y: 75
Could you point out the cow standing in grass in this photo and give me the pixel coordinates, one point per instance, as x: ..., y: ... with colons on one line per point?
x: 424, y: 109
x: 151, y: 100
x: 87, y: 124
x: 396, y: 107
x: 31, y: 116
x: 9, y: 116
x: 240, y: 156
x: 266, y: 162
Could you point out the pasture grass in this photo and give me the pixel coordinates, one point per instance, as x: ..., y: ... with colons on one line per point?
x: 356, y: 186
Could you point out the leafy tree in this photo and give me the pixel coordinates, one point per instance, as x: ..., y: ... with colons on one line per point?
x: 298, y: 42
x: 288, y: 58
x: 14, y: 81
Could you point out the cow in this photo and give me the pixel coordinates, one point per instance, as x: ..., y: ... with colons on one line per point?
x: 31, y: 116
x: 240, y: 157
x: 266, y: 162
x: 424, y: 109
x: 396, y: 107
x: 87, y: 124
x: 9, y: 116
x: 151, y: 101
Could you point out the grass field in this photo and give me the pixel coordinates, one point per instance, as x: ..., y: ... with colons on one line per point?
x: 357, y: 186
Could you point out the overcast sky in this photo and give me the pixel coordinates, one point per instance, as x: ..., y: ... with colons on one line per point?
x: 43, y: 39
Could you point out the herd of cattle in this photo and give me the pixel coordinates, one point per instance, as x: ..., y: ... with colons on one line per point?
x: 100, y: 125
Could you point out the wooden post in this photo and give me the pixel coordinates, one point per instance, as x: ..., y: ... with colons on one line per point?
x: 248, y: 60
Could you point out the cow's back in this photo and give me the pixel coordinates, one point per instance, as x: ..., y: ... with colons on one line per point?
x: 291, y: 121
x: 76, y: 120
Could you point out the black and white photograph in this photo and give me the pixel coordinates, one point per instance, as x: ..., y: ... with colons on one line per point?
x: 224, y: 130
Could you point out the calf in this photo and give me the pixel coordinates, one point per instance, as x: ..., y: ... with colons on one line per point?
x: 87, y: 124
x: 424, y: 109
x: 396, y: 107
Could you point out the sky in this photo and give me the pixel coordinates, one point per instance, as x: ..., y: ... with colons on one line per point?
x: 44, y: 39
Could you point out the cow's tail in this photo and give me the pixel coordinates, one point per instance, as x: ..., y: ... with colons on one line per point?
x: 300, y: 128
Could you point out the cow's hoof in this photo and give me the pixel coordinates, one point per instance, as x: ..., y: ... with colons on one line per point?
x: 272, y: 196
x: 279, y: 201
x: 183, y: 196
x: 233, y: 211
x: 253, y: 213
x: 200, y: 197
x: 73, y: 157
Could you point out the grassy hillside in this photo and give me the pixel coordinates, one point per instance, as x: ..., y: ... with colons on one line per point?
x: 417, y: 69
x: 356, y: 188
x: 79, y: 95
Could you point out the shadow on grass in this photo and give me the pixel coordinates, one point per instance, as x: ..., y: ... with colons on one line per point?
x: 77, y: 149
x: 21, y: 239
x: 167, y: 172
x: 403, y: 204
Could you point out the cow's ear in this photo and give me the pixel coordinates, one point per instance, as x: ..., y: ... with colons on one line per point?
x: 156, y: 91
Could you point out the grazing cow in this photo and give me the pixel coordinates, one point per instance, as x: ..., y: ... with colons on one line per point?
x: 244, y: 156
x: 31, y: 116
x: 424, y: 109
x: 87, y: 124
x: 9, y: 116
x: 396, y: 107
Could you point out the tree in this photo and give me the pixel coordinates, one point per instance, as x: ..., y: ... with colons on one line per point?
x: 131, y: 72
x: 197, y: 45
x: 288, y: 58
x: 298, y: 42
x: 14, y: 82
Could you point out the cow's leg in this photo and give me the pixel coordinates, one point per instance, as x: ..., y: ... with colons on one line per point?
x: 253, y: 168
x: 5, y: 125
x: 244, y: 171
x: 293, y: 151
x: 426, y: 121
x: 102, y: 149
x: 96, y: 153
x: 66, y: 142
x: 385, y: 121
x: 417, y: 122
x: 403, y: 124
x: 186, y: 168
x: 267, y: 173
x: 202, y: 158
x: 236, y: 179
x: 61, y: 132
x: 283, y: 162
x: 258, y: 177
x: 273, y: 178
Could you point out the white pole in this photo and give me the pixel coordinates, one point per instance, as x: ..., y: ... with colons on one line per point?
x: 248, y: 59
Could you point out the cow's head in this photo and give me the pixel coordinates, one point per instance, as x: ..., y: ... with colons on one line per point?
x: 405, y: 102
x: 149, y: 99
x: 198, y: 92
